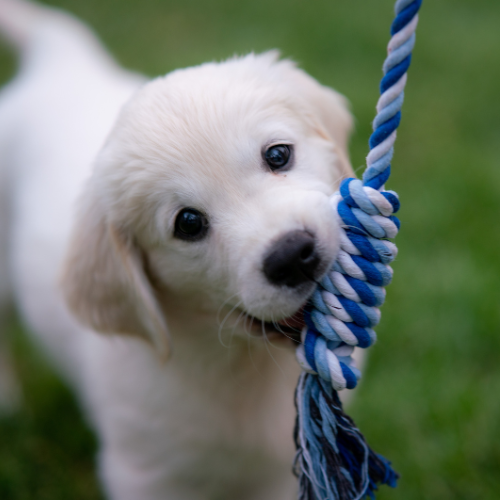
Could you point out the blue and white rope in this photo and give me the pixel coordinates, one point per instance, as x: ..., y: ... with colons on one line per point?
x: 345, y: 307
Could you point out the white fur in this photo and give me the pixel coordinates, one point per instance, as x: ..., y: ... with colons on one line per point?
x: 216, y: 418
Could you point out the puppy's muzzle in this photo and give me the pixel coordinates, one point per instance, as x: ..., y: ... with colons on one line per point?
x: 292, y: 260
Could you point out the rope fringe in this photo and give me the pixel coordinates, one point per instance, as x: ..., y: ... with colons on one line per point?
x: 333, y: 460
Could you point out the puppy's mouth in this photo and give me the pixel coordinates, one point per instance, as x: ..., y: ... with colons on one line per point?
x: 287, y: 329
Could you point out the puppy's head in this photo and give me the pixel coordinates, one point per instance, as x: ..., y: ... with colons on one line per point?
x: 213, y: 188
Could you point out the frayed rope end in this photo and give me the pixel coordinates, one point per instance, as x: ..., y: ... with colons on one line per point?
x: 333, y: 460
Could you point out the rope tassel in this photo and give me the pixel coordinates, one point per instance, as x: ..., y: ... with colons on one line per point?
x: 333, y: 460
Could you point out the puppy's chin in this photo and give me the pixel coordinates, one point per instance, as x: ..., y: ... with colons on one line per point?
x: 279, y: 320
x: 283, y: 331
x: 286, y: 330
x: 279, y: 304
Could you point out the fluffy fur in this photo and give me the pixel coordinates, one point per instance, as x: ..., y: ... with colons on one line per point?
x: 160, y: 336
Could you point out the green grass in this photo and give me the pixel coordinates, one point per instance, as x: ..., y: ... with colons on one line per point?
x: 429, y: 399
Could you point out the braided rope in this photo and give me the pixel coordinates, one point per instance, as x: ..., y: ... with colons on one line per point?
x: 345, y: 306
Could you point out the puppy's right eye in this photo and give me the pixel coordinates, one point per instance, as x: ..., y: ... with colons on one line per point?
x: 190, y: 225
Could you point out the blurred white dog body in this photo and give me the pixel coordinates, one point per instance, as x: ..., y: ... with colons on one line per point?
x: 216, y: 419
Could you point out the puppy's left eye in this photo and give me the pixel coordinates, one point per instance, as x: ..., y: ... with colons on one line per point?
x: 277, y: 157
x: 190, y: 224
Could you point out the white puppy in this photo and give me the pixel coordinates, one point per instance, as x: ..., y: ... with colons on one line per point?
x: 203, y: 217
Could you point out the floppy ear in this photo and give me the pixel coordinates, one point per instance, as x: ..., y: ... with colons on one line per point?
x: 105, y: 282
x: 331, y: 115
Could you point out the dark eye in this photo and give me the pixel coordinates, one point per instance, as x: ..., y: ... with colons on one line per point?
x: 190, y: 224
x: 277, y: 156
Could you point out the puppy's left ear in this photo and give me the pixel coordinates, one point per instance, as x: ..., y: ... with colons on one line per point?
x: 330, y: 114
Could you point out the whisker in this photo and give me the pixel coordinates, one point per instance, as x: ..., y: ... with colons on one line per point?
x: 249, y: 344
x: 242, y: 313
x: 285, y: 334
x: 264, y: 334
x: 221, y: 326
x: 217, y: 318
x: 245, y: 324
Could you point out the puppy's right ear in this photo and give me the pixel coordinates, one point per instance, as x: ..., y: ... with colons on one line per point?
x: 105, y: 282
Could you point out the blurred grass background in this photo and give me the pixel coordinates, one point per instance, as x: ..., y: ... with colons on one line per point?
x: 431, y: 396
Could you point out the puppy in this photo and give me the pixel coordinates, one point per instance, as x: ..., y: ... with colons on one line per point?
x: 164, y: 237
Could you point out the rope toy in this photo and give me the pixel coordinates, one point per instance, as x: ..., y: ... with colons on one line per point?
x: 333, y: 460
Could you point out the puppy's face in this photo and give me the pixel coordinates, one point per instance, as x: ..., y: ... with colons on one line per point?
x: 217, y: 179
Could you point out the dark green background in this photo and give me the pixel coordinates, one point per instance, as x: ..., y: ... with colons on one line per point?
x: 431, y: 396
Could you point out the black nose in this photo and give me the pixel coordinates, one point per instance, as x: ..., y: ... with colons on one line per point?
x: 292, y: 260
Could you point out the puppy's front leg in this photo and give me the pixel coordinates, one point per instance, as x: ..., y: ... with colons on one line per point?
x: 124, y: 480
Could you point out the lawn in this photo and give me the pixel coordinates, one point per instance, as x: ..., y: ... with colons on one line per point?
x: 430, y: 399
